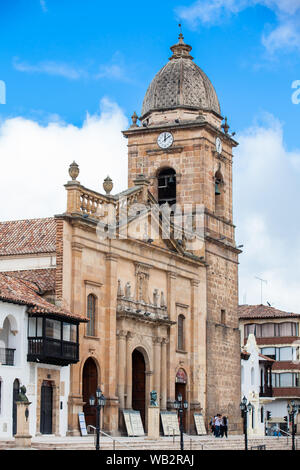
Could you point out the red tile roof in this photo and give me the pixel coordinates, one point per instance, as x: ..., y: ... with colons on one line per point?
x: 44, y: 279
x: 24, y: 292
x: 263, y: 311
x: 28, y: 236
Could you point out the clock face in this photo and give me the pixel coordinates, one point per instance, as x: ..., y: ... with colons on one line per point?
x: 218, y: 145
x: 165, y: 140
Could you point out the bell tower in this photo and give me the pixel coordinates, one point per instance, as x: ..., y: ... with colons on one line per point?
x: 184, y: 150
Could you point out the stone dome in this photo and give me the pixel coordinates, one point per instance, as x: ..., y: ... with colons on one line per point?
x: 181, y: 84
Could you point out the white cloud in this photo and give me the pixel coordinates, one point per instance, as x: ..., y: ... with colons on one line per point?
x: 283, y: 36
x: 35, y: 160
x: 43, y: 6
x: 266, y: 201
x: 50, y: 68
x: 115, y: 70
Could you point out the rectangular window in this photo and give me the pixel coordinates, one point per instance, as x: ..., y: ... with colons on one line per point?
x: 267, y: 330
x: 53, y: 329
x: 250, y: 328
x: 286, y: 354
x: 270, y: 352
x: 31, y: 327
x: 69, y: 332
x: 288, y: 329
x: 286, y: 380
x: 39, y: 327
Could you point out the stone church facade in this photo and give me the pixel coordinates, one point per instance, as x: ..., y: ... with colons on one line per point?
x: 162, y: 310
x: 165, y: 316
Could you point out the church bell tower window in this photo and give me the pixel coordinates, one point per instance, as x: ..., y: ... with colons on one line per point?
x: 166, y: 186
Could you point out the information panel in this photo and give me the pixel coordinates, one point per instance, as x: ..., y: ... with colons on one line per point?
x: 199, y: 423
x: 133, y: 423
x: 82, y: 424
x: 169, y: 420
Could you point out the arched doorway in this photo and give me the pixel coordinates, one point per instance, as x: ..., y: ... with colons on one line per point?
x: 138, y: 383
x: 46, y: 407
x: 16, y: 388
x: 180, y: 388
x: 89, y: 386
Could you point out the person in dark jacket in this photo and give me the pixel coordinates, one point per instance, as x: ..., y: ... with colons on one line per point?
x: 224, y: 426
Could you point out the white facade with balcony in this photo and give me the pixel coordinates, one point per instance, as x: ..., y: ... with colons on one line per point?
x: 16, y: 371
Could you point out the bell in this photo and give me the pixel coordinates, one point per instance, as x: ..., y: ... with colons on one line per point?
x: 217, y: 191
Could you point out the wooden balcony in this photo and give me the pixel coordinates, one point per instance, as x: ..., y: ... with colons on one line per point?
x: 266, y: 391
x: 52, y: 351
x: 7, y: 357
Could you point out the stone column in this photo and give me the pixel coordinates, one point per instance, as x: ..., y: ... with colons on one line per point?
x: 195, y: 340
x: 171, y: 348
x: 110, y: 373
x: 163, y: 380
x: 75, y: 403
x: 157, y: 366
x: 23, y: 438
x: 122, y: 367
x: 128, y: 372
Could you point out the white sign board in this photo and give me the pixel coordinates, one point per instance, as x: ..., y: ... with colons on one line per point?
x: 133, y: 423
x: 199, y: 423
x: 170, y: 423
x: 82, y: 424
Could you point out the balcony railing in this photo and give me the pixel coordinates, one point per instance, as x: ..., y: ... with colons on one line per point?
x: 266, y: 391
x: 52, y: 351
x: 7, y: 356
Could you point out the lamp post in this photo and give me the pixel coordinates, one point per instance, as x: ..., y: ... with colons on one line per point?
x: 100, y: 403
x: 292, y: 411
x: 245, y: 408
x: 181, y: 405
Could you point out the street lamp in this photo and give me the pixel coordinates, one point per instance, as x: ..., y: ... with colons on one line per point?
x: 292, y: 411
x: 100, y: 403
x: 180, y: 405
x: 245, y: 409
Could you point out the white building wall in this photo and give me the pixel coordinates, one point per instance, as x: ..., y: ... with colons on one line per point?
x: 26, y: 373
x: 250, y: 386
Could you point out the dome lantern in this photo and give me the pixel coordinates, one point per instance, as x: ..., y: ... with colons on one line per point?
x: 180, y: 84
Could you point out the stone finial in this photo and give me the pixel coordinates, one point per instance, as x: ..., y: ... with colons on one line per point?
x: 225, y: 126
x: 108, y: 185
x: 134, y: 118
x: 181, y: 50
x: 74, y: 170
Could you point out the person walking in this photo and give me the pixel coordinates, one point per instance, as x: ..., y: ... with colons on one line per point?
x: 218, y: 422
x: 212, y: 425
x: 224, y: 426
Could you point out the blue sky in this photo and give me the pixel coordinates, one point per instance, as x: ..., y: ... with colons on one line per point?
x: 75, y: 71
x: 62, y: 57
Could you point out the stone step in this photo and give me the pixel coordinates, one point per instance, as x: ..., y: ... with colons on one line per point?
x: 162, y: 445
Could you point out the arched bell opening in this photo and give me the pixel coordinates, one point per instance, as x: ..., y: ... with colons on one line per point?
x: 219, y: 194
x: 166, y: 186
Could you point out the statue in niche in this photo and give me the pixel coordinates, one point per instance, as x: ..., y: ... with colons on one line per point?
x: 162, y: 300
x: 155, y: 297
x: 128, y: 290
x: 120, y: 293
x: 153, y: 398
